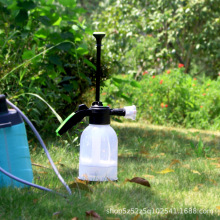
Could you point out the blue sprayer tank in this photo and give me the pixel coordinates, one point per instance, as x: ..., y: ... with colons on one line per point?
x: 14, y: 150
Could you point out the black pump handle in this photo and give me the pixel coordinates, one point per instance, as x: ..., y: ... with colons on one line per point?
x: 98, y: 36
x: 73, y: 120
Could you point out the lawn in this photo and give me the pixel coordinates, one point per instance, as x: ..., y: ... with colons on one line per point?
x: 181, y: 166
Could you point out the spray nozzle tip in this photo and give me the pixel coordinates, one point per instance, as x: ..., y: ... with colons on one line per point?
x: 131, y: 112
x: 99, y: 36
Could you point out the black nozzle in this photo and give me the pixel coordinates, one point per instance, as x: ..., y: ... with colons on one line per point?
x: 3, y: 104
x: 98, y: 36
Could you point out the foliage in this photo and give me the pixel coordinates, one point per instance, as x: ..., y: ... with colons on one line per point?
x: 170, y: 98
x: 43, y: 50
x: 156, y: 35
x: 119, y: 88
x: 122, y: 22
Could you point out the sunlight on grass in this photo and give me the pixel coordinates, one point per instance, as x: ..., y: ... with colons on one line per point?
x: 181, y: 178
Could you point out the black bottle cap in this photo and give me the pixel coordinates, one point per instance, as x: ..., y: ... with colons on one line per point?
x: 97, y: 103
x: 99, y: 115
x: 3, y: 105
x: 9, y: 117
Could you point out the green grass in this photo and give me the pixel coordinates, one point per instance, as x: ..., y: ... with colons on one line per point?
x: 144, y: 151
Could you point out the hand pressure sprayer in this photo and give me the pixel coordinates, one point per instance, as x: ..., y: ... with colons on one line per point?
x: 15, y: 163
x: 98, y: 159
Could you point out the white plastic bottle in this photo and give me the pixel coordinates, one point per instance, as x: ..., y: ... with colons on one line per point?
x: 98, y: 160
x: 98, y: 153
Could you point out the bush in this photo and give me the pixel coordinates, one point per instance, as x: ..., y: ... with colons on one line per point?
x: 43, y: 51
x: 160, y: 34
x: 172, y: 98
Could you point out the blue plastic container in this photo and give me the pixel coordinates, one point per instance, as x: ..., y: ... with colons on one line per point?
x: 14, y: 149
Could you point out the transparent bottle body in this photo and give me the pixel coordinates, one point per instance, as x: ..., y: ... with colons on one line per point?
x: 98, y: 159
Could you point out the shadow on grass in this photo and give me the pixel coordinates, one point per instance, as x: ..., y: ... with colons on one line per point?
x: 135, y: 139
x: 28, y: 204
x: 122, y: 200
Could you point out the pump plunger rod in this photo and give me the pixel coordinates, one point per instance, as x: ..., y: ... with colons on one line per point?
x: 98, y: 36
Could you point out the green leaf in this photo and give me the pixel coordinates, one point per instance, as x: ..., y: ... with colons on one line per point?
x: 6, y: 2
x: 28, y: 54
x: 22, y: 73
x: 116, y: 84
x: 67, y: 36
x: 89, y: 63
x: 66, y: 46
x: 117, y: 80
x: 83, y: 76
x: 28, y: 5
x: 120, y: 80
x: 45, y: 20
x: 68, y: 3
x: 57, y: 23
x: 77, y: 39
x: 42, y: 33
x: 135, y: 84
x: 67, y: 78
x: 22, y: 16
x: 55, y: 60
x: 55, y: 37
x: 68, y: 87
x: 126, y: 98
x: 81, y: 51
x: 88, y: 31
x: 49, y: 2
x: 75, y: 85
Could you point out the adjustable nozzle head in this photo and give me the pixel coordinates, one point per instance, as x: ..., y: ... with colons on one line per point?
x: 127, y: 112
x: 131, y: 112
x: 98, y: 36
